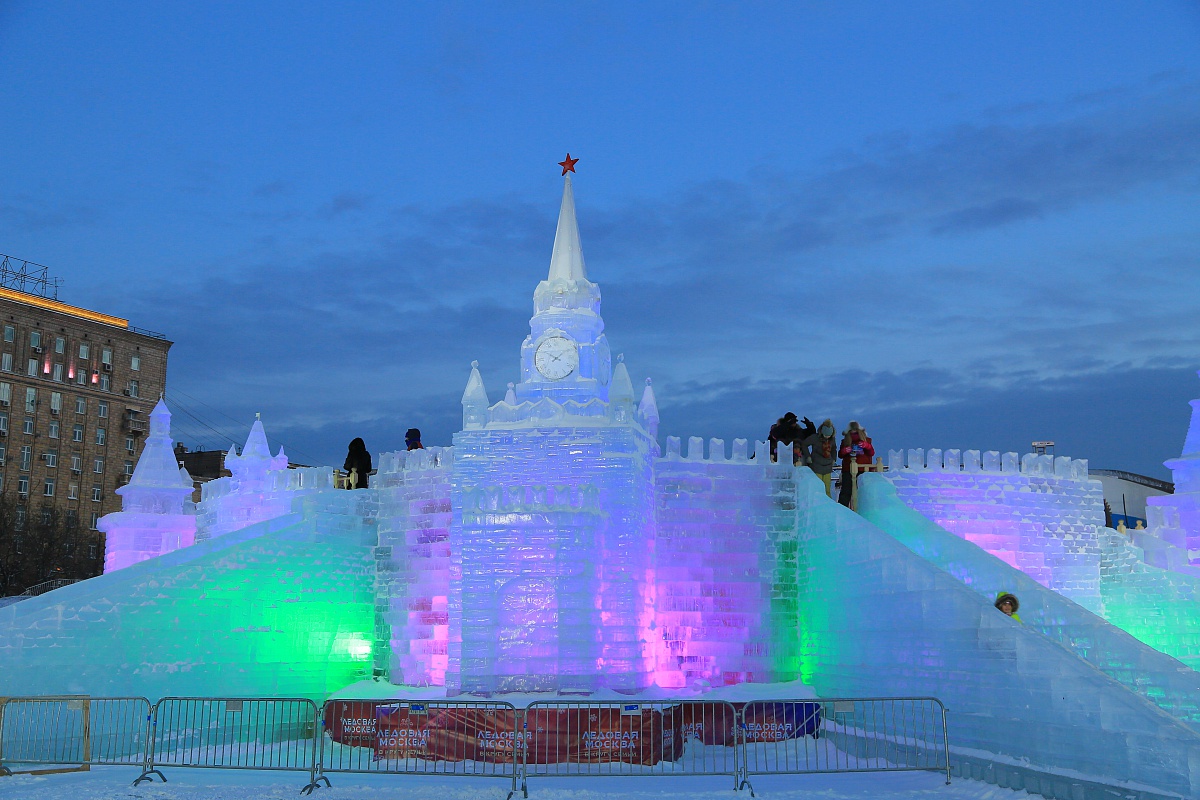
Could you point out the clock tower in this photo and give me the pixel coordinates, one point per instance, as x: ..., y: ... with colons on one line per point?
x: 566, y: 356
x: 552, y: 492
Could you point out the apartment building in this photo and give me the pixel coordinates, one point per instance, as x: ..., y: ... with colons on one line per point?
x: 76, y: 389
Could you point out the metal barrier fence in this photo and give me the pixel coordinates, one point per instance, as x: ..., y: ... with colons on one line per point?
x: 467, y: 738
x: 875, y: 734
x: 479, y: 738
x: 594, y: 738
x: 234, y: 733
x: 73, y: 730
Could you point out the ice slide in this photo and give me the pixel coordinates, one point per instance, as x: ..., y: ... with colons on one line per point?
x: 286, y: 604
x: 896, y: 605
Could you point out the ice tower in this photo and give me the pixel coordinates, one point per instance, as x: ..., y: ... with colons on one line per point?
x: 155, y: 516
x: 1175, y: 518
x: 552, y: 529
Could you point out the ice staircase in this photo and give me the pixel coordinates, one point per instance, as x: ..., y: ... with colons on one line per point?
x: 286, y: 604
x: 896, y: 605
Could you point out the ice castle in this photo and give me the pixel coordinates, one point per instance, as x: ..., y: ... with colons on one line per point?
x: 555, y: 548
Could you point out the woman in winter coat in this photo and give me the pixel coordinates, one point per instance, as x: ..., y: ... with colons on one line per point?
x: 1008, y: 604
x: 856, y: 448
x: 822, y: 452
x: 359, y: 459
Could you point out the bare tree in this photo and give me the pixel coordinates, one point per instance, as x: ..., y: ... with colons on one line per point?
x: 41, y: 543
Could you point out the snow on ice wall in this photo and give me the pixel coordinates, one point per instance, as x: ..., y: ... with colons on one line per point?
x: 1058, y: 690
x: 726, y: 566
x: 548, y: 592
x: 283, y: 607
x: 1040, y: 514
x: 412, y: 566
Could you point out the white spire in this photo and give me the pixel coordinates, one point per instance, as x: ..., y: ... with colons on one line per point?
x: 475, y: 392
x: 1191, y: 443
x: 566, y: 262
x: 157, y: 467
x: 648, y: 408
x: 621, y: 389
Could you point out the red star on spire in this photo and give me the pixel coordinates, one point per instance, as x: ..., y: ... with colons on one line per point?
x: 569, y: 164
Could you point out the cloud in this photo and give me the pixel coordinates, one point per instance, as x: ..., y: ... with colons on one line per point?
x: 341, y: 203
x: 31, y: 215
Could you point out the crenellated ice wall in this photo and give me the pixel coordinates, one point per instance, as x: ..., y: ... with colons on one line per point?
x: 412, y: 566
x: 1039, y: 513
x: 725, y: 566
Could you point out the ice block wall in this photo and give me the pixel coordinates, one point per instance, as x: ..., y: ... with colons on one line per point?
x: 1040, y: 514
x: 552, y: 545
x: 725, y: 566
x: 879, y: 619
x: 412, y: 581
x: 281, y: 608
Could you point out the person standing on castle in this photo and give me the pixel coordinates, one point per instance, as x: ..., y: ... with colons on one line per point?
x: 358, y: 463
x: 412, y: 439
x: 786, y: 430
x: 856, y: 448
x: 821, y: 452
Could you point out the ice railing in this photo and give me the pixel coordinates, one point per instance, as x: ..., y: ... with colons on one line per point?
x: 537, y: 498
x: 416, y: 460
x: 280, y: 480
x: 1030, y: 464
x: 716, y: 451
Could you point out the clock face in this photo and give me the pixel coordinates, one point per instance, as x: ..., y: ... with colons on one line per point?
x: 556, y: 358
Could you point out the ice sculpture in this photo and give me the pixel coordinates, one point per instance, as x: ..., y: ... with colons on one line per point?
x: 1175, y: 518
x: 254, y: 492
x: 156, y: 515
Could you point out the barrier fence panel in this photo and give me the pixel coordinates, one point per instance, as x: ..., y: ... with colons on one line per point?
x: 595, y: 738
x: 418, y: 737
x: 234, y: 733
x: 844, y: 735
x: 74, y: 730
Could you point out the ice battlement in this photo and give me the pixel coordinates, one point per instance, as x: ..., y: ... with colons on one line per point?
x: 583, y: 498
x: 716, y: 451
x: 1030, y: 464
x: 415, y: 460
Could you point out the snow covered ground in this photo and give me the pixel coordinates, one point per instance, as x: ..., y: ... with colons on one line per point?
x: 213, y: 784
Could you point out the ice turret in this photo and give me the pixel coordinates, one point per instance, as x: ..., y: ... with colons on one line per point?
x: 566, y: 261
x: 620, y: 393
x: 251, y: 466
x: 475, y: 400
x: 648, y: 410
x: 156, y: 515
x: 1175, y: 518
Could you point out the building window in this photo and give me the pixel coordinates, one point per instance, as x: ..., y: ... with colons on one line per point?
x: 35, y: 338
x: 81, y: 377
x: 91, y: 551
x: 102, y: 411
x: 96, y: 494
x: 4, y: 422
x: 60, y: 345
x: 106, y: 356
x: 135, y: 363
x: 58, y: 372
x: 100, y: 436
x: 128, y: 468
x: 23, y: 484
x: 10, y: 333
x: 77, y: 434
x: 80, y: 405
x: 29, y: 425
x: 6, y: 362
x: 133, y: 388
x: 105, y: 382
x: 21, y: 517
x: 95, y: 519
x: 51, y: 458
x: 129, y: 444
x: 2, y: 459
x: 48, y: 491
x: 53, y: 429
x: 84, y: 351
x: 98, y: 466
x: 72, y: 491
x: 55, y: 402
x: 5, y: 394
x: 31, y: 367
x: 30, y: 400
x: 76, y: 463
x: 26, y: 457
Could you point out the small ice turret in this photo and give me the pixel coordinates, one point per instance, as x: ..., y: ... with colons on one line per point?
x: 1175, y: 518
x: 475, y: 401
x: 156, y: 515
x: 620, y: 393
x: 648, y: 409
x: 251, y: 466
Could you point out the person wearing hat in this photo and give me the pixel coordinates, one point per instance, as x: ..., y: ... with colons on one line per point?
x: 821, y: 449
x: 856, y: 447
x: 1008, y: 603
x: 358, y: 465
x: 786, y: 430
x: 412, y: 439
